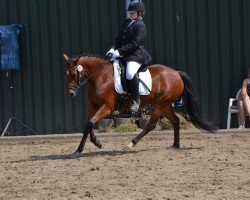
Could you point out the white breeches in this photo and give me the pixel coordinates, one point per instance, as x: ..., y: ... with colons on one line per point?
x: 131, y: 69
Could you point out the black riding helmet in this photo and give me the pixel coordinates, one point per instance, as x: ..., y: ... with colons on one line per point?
x: 136, y: 6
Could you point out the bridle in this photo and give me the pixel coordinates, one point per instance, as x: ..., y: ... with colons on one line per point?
x: 79, y: 83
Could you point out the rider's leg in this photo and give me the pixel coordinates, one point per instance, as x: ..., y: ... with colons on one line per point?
x: 134, y: 89
x: 131, y: 70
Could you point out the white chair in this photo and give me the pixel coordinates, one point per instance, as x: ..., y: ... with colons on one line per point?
x: 232, y: 108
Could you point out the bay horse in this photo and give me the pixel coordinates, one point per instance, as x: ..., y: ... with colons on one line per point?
x: 168, y: 85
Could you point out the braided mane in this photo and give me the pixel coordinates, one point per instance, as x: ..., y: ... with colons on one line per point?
x: 89, y: 55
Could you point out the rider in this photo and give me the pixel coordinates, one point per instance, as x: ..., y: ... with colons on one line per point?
x: 130, y: 45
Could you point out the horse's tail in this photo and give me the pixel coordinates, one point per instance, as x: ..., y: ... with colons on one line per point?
x: 190, y: 109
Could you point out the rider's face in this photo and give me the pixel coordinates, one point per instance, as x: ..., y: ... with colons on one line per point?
x: 133, y: 15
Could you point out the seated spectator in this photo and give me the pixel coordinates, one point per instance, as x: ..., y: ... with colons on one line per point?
x: 244, y: 103
x: 241, y: 114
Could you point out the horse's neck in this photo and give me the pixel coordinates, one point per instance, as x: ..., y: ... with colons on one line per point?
x: 90, y: 64
x: 94, y: 67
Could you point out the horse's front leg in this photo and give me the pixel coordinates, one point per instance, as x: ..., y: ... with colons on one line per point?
x: 94, y: 140
x: 103, y: 111
x: 87, y: 130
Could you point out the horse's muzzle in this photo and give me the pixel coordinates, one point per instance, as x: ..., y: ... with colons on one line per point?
x: 72, y: 91
x: 72, y: 94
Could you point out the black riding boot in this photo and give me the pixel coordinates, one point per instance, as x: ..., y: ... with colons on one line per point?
x: 134, y: 89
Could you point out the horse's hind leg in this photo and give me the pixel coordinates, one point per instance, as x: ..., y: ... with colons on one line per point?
x: 175, y: 121
x: 150, y: 125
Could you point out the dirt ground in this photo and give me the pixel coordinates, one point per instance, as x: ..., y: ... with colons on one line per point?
x: 208, y: 166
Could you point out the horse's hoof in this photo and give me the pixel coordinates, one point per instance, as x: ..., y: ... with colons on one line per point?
x: 175, y: 147
x: 99, y: 145
x: 76, y: 154
x: 129, y: 147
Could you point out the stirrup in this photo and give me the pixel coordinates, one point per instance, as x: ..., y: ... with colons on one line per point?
x: 135, y: 106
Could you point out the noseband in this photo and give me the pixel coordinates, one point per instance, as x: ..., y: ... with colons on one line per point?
x: 78, y: 84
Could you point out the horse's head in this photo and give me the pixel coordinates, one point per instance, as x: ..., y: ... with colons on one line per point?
x: 74, y: 73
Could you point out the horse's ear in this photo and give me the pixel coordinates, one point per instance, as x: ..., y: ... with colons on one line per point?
x: 65, y: 57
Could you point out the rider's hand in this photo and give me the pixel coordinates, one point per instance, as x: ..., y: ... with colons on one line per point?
x: 110, y: 52
x: 115, y: 54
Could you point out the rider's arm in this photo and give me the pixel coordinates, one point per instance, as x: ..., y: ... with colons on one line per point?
x: 138, y: 39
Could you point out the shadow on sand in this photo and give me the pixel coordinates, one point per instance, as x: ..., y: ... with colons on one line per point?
x: 71, y: 156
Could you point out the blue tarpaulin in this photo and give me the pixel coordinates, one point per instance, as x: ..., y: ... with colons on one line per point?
x: 9, y: 54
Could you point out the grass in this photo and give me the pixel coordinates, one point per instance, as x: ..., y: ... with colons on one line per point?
x: 165, y: 125
x: 126, y: 128
x: 184, y: 124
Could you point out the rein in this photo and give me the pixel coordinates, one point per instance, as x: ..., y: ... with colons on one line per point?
x: 79, y: 83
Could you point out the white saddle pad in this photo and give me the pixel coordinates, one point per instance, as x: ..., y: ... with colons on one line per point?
x: 144, y: 76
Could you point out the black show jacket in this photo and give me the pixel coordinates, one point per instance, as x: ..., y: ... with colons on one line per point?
x: 130, y: 42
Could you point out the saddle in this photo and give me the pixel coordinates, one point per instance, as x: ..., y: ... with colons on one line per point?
x: 121, y: 83
x: 124, y: 83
